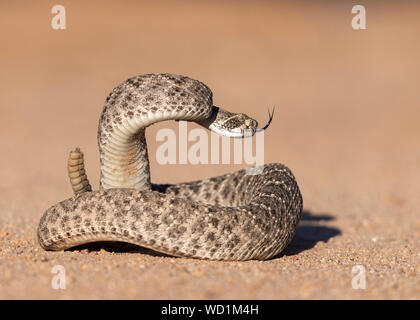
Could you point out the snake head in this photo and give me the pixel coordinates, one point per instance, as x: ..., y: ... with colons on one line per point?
x: 240, y: 124
x: 236, y: 125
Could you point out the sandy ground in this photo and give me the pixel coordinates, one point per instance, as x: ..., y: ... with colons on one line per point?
x: 347, y: 124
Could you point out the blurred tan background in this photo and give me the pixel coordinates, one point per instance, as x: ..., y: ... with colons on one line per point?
x: 346, y: 122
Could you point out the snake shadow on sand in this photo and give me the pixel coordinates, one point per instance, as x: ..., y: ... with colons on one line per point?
x: 309, y: 233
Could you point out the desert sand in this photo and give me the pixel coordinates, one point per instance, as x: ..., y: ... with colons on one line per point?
x: 346, y: 122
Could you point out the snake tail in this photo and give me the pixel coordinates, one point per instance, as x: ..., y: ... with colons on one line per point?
x: 77, y: 174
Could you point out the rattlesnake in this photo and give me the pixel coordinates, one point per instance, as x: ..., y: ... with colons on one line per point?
x: 236, y: 216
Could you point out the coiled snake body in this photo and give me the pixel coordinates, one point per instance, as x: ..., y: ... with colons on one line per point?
x: 236, y: 216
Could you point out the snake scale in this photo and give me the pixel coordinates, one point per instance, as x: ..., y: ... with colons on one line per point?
x: 236, y: 216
